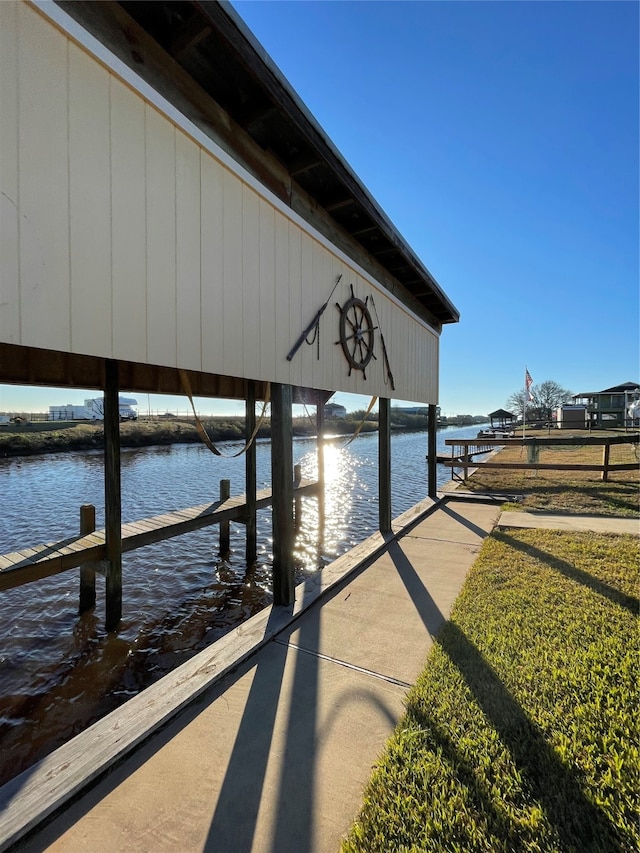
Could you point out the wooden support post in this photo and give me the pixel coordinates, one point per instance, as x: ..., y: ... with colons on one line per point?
x: 112, y: 500
x: 297, y: 515
x: 225, y: 494
x: 432, y: 458
x: 282, y: 485
x: 384, y: 464
x: 605, y: 461
x: 320, y: 451
x: 87, y: 572
x: 250, y: 476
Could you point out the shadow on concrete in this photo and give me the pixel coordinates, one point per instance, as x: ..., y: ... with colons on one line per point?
x: 474, y: 528
x: 428, y: 610
x: 629, y: 602
x: 294, y: 822
x: 236, y: 814
x: 578, y: 823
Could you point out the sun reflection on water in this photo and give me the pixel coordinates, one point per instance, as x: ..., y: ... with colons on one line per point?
x: 324, y: 528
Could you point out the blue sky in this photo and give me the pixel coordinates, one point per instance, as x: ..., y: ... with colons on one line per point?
x: 501, y: 139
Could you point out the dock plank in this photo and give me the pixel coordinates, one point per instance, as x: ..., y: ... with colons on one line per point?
x: 41, y: 561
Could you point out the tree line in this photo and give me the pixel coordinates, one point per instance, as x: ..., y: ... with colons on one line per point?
x: 546, y: 397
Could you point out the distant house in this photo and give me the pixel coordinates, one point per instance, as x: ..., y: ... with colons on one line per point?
x: 411, y: 410
x: 609, y: 408
x: 334, y: 410
x: 501, y: 418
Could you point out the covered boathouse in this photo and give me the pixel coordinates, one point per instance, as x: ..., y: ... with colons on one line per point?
x: 174, y: 218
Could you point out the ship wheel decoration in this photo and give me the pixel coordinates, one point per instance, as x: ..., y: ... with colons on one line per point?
x: 356, y: 332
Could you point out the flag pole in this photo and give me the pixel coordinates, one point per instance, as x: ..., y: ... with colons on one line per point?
x: 524, y: 404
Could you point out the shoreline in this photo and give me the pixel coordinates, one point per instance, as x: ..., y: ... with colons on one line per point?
x: 43, y: 437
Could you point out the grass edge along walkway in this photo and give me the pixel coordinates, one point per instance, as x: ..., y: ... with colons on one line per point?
x: 520, y: 734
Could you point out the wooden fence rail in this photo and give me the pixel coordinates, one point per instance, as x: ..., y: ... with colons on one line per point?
x: 464, y: 449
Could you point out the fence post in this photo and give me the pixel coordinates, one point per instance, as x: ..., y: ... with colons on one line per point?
x: 225, y: 494
x: 87, y: 572
x: 605, y: 462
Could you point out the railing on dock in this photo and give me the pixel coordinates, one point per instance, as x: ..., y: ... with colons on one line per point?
x: 88, y: 550
x: 464, y: 449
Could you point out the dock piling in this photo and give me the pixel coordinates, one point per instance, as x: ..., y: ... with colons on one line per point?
x: 250, y: 476
x: 87, y: 571
x: 282, y: 485
x: 225, y: 539
x: 112, y: 491
x: 384, y: 463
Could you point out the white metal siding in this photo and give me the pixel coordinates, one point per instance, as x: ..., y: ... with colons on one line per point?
x: 128, y: 211
x: 126, y: 234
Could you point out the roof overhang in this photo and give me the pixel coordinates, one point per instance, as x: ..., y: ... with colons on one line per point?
x: 205, y: 42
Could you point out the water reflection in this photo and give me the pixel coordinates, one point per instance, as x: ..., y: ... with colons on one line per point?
x: 60, y: 672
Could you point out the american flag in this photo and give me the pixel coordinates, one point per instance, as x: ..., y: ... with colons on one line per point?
x: 528, y: 382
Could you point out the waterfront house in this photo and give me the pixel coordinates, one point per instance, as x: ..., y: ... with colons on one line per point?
x: 609, y: 408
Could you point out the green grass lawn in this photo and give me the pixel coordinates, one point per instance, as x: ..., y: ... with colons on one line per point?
x: 522, y: 732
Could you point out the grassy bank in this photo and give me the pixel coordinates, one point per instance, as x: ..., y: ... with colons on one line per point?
x: 521, y: 732
x: 51, y: 437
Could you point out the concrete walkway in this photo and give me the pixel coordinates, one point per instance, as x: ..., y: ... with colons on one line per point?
x: 273, y: 756
x: 554, y: 521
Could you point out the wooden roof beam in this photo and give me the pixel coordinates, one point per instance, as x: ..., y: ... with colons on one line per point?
x: 305, y: 164
x: 364, y: 231
x: 340, y: 205
x: 256, y: 117
x: 189, y: 35
x: 388, y: 250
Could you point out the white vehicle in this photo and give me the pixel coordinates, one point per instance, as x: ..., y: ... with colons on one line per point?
x: 93, y: 410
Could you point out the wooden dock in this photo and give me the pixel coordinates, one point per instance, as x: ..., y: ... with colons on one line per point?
x: 41, y: 561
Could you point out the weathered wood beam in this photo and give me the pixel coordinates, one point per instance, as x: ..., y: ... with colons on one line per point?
x: 34, y: 366
x: 87, y: 570
x: 112, y: 497
x: 388, y: 250
x: 432, y: 458
x: 250, y: 476
x: 341, y: 204
x: 370, y: 229
x: 195, y: 30
x: 304, y: 164
x: 282, y: 485
x: 384, y: 463
x: 549, y: 441
x: 225, y: 527
x: 543, y: 466
x: 252, y: 119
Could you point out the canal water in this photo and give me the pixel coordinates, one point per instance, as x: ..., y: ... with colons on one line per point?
x: 60, y: 672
